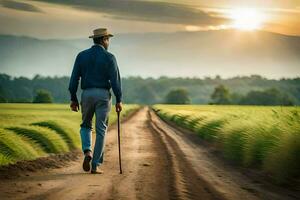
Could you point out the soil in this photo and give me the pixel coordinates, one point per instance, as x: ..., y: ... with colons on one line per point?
x: 158, y: 162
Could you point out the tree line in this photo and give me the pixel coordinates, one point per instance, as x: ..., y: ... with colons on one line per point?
x: 252, y: 90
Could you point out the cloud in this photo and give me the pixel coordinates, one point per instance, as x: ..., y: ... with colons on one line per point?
x: 19, y: 6
x: 161, y: 12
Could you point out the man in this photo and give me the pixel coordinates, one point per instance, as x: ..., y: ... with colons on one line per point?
x: 99, y: 72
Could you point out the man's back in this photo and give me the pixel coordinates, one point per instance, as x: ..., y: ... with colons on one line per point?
x: 97, y: 68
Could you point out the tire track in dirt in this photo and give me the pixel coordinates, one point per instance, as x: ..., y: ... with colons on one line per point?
x: 159, y: 162
x: 145, y: 171
x: 185, y: 182
x: 197, y: 171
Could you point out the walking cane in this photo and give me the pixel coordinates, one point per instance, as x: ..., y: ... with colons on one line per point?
x: 119, y: 142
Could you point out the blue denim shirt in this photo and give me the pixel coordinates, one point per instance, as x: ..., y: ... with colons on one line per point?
x: 97, y: 68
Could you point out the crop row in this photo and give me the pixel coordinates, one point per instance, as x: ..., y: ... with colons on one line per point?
x: 29, y: 131
x: 266, y: 138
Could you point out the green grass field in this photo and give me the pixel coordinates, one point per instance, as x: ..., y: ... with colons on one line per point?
x: 267, y: 138
x: 29, y: 131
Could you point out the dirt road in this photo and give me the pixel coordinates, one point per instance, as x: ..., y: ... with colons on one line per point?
x: 159, y: 162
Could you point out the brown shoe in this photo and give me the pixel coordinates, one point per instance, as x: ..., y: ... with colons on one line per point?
x: 86, y: 165
x: 97, y: 171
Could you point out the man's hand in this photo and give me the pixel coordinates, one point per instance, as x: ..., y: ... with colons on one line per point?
x: 74, y: 106
x: 119, y: 107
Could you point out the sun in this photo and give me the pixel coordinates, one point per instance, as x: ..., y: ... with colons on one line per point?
x: 246, y: 18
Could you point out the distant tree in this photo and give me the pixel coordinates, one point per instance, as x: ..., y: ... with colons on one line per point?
x: 178, y: 96
x: 2, y: 96
x: 24, y: 95
x: 220, y: 95
x: 268, y: 97
x: 43, y: 96
x: 146, y: 95
x: 144, y: 90
x: 3, y: 99
x: 236, y: 98
x: 218, y: 77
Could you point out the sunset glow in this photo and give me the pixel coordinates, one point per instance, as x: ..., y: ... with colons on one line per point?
x: 246, y: 18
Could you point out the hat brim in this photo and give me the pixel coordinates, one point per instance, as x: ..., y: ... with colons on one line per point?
x: 96, y: 36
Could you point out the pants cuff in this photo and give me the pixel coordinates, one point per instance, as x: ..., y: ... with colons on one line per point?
x: 87, y: 150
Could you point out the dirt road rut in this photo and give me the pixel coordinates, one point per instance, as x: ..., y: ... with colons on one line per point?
x: 159, y: 162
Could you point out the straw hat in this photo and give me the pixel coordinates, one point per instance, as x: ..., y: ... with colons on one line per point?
x: 100, y: 32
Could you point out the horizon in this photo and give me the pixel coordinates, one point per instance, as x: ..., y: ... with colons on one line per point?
x: 238, y: 56
x: 183, y: 39
x: 213, y: 77
x: 141, y: 33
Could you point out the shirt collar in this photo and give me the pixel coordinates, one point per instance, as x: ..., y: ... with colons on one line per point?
x: 99, y: 45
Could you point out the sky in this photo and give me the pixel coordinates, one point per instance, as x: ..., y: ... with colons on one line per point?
x: 227, y: 55
x: 76, y: 19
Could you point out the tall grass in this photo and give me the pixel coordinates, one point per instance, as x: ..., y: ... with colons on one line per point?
x: 267, y: 138
x: 14, y: 147
x: 68, y: 136
x: 48, y: 139
x: 28, y: 131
